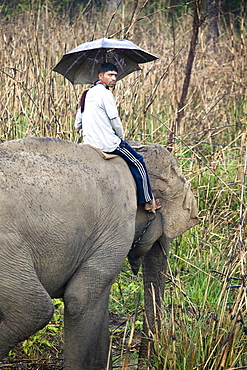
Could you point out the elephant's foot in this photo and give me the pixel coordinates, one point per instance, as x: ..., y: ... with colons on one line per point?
x: 152, y: 205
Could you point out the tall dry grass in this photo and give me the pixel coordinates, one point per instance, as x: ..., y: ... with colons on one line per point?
x: 205, y: 304
x: 36, y: 101
x: 34, y: 95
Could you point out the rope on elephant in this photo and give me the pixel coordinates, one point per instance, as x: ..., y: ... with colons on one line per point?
x: 136, y: 241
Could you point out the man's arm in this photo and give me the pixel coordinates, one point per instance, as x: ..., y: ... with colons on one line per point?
x: 117, y: 127
x: 109, y: 105
x: 78, y: 120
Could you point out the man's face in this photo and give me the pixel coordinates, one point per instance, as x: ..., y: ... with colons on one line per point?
x: 109, y: 78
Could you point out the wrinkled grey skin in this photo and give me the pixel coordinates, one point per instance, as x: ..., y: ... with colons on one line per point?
x: 67, y: 222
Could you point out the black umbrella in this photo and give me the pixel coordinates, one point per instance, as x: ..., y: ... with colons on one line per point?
x: 81, y: 65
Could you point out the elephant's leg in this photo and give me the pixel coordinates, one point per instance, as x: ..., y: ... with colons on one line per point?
x: 25, y: 306
x: 86, y: 318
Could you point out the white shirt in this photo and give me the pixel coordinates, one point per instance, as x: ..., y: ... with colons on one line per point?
x: 100, y: 122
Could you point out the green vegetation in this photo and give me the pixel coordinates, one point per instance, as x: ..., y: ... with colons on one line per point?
x: 205, y: 303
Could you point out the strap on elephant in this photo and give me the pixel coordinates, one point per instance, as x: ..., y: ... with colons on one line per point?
x: 102, y: 154
x: 150, y: 220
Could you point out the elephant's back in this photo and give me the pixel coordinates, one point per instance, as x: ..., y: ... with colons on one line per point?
x: 55, y: 170
x: 41, y: 150
x: 38, y: 157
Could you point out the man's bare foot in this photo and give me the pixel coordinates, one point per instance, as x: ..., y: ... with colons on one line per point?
x: 152, y: 205
x: 158, y: 203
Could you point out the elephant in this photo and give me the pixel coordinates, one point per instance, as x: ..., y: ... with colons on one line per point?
x: 68, y: 220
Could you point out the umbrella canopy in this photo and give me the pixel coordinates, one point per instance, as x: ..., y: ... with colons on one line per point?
x: 81, y: 65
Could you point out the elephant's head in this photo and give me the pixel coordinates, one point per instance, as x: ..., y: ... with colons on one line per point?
x: 179, y: 210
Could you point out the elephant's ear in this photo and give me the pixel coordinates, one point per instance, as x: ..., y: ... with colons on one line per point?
x: 182, y: 211
x: 179, y: 208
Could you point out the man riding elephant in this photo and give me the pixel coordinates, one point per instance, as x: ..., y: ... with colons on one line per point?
x: 102, y: 128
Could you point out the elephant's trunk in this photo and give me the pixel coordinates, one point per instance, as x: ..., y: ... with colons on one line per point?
x: 154, y: 268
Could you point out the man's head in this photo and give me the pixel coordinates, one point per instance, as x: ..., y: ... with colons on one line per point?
x: 108, y: 74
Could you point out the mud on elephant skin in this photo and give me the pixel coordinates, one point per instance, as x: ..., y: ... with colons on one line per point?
x: 67, y: 221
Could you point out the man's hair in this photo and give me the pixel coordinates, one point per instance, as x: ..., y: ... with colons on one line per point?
x: 106, y: 67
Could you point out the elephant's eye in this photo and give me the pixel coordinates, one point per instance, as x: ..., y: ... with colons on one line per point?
x: 161, y: 186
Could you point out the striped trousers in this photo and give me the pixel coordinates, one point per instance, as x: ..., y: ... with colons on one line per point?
x: 138, y: 169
